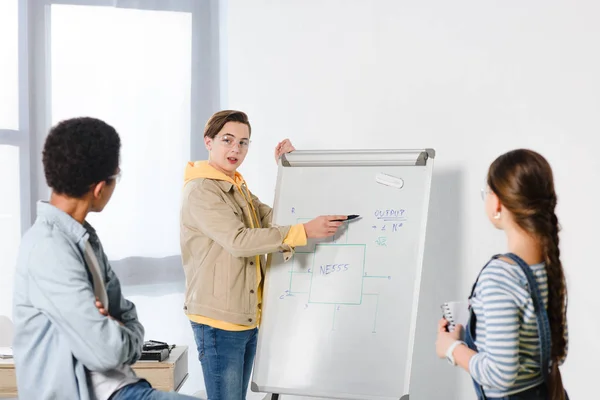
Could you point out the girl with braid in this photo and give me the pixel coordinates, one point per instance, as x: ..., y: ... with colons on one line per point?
x: 517, y: 333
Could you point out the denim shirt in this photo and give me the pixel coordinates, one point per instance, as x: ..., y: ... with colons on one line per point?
x: 59, y: 333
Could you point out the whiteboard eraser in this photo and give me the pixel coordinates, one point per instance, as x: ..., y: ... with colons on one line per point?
x: 389, y: 180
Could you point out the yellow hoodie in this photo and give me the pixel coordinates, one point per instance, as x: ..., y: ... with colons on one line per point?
x: 295, y: 237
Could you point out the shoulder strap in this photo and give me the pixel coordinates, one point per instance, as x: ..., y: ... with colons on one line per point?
x: 478, y: 275
x: 540, y: 311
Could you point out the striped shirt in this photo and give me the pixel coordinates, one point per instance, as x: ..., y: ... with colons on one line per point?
x: 506, y: 336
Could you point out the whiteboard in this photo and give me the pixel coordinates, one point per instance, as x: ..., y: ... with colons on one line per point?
x: 339, y: 317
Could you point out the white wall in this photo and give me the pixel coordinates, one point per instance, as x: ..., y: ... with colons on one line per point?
x: 471, y: 79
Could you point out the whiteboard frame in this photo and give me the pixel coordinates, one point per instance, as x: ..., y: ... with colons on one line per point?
x: 337, y: 158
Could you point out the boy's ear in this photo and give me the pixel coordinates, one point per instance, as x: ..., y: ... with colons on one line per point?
x: 98, y: 188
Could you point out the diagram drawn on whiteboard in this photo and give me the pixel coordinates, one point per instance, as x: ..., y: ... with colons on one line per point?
x: 332, y: 274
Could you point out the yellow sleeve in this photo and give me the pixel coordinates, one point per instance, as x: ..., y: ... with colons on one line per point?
x: 296, y: 236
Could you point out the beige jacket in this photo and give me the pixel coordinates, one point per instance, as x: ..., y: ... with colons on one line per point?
x: 222, y: 253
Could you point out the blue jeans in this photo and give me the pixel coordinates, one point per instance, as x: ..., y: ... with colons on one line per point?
x: 226, y: 359
x: 143, y: 391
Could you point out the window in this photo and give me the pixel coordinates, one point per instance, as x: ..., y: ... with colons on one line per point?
x: 136, y: 76
x: 10, y: 220
x: 10, y: 167
x: 9, y: 67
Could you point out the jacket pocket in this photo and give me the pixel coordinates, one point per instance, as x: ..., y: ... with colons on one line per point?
x: 220, y: 280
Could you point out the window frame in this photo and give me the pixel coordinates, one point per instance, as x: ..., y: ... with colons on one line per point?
x: 20, y: 137
x: 205, y: 75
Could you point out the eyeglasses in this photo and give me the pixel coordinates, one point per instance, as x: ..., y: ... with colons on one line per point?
x: 484, y: 193
x: 116, y: 177
x: 229, y: 142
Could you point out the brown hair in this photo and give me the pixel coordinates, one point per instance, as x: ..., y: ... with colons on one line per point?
x: 219, y: 119
x: 524, y: 183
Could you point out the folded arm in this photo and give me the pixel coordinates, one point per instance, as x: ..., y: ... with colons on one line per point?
x: 60, y: 288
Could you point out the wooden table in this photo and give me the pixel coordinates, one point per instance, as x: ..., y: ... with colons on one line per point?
x: 167, y: 375
x: 8, y: 378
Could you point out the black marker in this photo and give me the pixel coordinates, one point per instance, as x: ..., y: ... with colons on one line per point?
x: 350, y: 217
